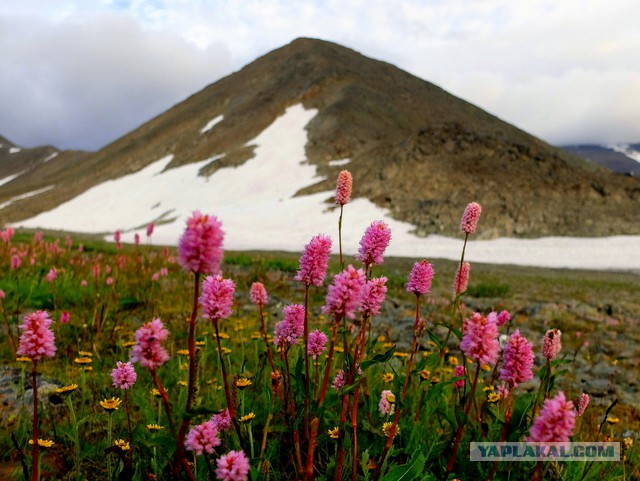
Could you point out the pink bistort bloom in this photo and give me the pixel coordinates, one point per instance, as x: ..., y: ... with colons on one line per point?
x: 339, y: 380
x: 555, y: 423
x: 314, y: 261
x: 317, y: 343
x: 459, y: 371
x: 136, y: 239
x: 52, y: 275
x: 123, y: 375
x: 373, y: 243
x: 386, y: 406
x: 148, y: 350
x: 64, y: 317
x: 37, y: 339
x: 462, y: 278
x: 551, y: 344
x: 15, y: 262
x: 343, y: 187
x: 470, y: 218
x: 200, y: 247
x: 222, y: 420
x: 216, y: 299
x: 583, y: 403
x: 480, y: 339
x: 345, y: 293
x: 374, y: 293
x: 150, y: 228
x: 502, y: 318
x: 117, y: 236
x: 233, y: 466
x: 420, y: 278
x: 517, y: 360
x: 291, y: 327
x: 202, y: 438
x: 258, y: 294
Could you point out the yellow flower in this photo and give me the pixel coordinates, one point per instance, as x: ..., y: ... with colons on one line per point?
x: 494, y: 397
x: 391, y: 397
x: 43, y: 443
x: 431, y: 343
x: 87, y: 368
x: 435, y: 380
x: 154, y: 428
x: 613, y: 420
x: 338, y: 349
x: 381, y: 338
x: 226, y: 350
x: 256, y: 335
x: 334, y: 433
x: 387, y: 377
x: 401, y: 354
x: 387, y: 345
x: 183, y: 383
x: 388, y: 427
x: 83, y: 360
x: 426, y: 353
x: 110, y: 405
x: 488, y: 388
x: 183, y: 352
x: 485, y: 367
x: 155, y: 392
x: 85, y: 353
x: 424, y: 374
x: 247, y: 418
x: 453, y: 360
x: 469, y: 361
x: 242, y: 383
x: 23, y: 359
x: 66, y: 389
x: 122, y: 444
x: 128, y: 344
x: 223, y: 335
x: 200, y: 343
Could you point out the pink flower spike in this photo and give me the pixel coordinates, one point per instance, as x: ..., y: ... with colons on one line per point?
x: 343, y: 188
x: 555, y: 423
x: 459, y: 371
x: 583, y: 403
x: 462, y: 278
x: 51, y: 275
x: 345, y: 293
x: 420, y: 278
x: 233, y: 466
x: 314, y: 261
x: 386, y: 406
x: 37, y: 339
x: 470, y: 218
x: 339, y: 380
x: 136, y: 239
x: 222, y: 420
x: 317, y: 343
x: 123, y: 375
x: 116, y: 237
x: 15, y: 262
x: 200, y: 247
x: 517, y: 360
x: 258, y: 294
x: 551, y: 344
x: 480, y: 339
x: 374, y: 293
x: 150, y: 228
x: 202, y: 438
x: 373, y: 243
x: 2, y: 294
x: 148, y: 350
x: 64, y: 317
x: 502, y: 318
x: 291, y: 327
x: 216, y: 299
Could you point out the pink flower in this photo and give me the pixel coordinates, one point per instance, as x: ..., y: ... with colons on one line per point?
x: 502, y: 318
x: 291, y: 327
x: 81, y: 248
x: 116, y: 237
x: 83, y: 283
x: 2, y: 294
x: 155, y: 276
x: 314, y: 261
x: 123, y: 375
x: 150, y: 229
x: 373, y: 296
x: 233, y: 466
x: 517, y: 360
x: 480, y: 339
x: 551, y: 345
x: 64, y: 317
x: 217, y: 297
x: 345, y: 293
x: 37, y: 339
x: 164, y: 272
x: 148, y: 350
x: 583, y: 403
x: 386, y: 406
x: 420, y: 278
x: 202, y: 438
x: 459, y: 371
x: 373, y: 243
x: 222, y: 420
x: 462, y: 278
x: 67, y: 241
x: 258, y: 294
x: 109, y: 281
x: 51, y: 275
x: 470, y: 218
x: 317, y: 343
x: 343, y: 188
x: 136, y: 239
x: 555, y: 423
x: 200, y: 247
x: 339, y: 380
x: 15, y: 262
x: 37, y: 237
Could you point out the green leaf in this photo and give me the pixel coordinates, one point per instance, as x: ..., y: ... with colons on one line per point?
x: 378, y: 358
x: 407, y: 472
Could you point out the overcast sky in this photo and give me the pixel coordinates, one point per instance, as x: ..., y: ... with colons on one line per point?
x: 81, y: 73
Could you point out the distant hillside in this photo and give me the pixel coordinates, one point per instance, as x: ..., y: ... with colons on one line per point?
x: 414, y: 150
x: 622, y: 159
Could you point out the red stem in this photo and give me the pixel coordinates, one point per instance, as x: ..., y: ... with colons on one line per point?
x: 34, y: 470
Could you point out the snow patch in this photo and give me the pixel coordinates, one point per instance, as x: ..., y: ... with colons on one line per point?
x: 25, y: 196
x: 8, y: 179
x: 211, y: 124
x: 337, y: 163
x: 626, y: 150
x: 14, y: 150
x: 50, y: 157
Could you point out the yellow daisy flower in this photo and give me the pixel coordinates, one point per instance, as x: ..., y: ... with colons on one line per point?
x: 66, y: 389
x: 83, y: 360
x: 334, y: 433
x: 247, y: 418
x: 242, y: 383
x: 387, y: 377
x: 388, y: 427
x: 494, y: 397
x: 110, y: 405
x: 122, y: 444
x: 43, y: 443
x: 154, y: 428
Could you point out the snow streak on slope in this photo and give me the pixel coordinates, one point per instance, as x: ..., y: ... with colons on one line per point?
x: 626, y: 150
x: 257, y: 205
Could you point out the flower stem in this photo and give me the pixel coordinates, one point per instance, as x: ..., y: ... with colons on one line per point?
x: 35, y: 474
